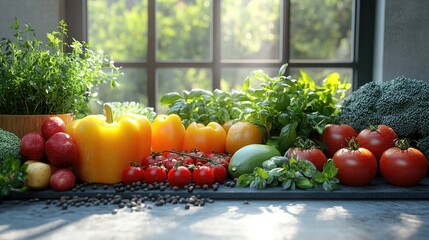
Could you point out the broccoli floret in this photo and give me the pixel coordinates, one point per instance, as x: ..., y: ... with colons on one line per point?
x: 401, y: 103
x: 9, y: 145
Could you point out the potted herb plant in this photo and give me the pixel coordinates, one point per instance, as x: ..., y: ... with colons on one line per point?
x: 43, y: 79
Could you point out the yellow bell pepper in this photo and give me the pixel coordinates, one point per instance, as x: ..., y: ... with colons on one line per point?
x: 106, y: 147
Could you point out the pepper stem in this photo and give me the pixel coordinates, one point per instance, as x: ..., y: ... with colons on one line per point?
x: 108, y: 112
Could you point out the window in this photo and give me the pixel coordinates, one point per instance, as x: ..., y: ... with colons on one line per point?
x: 175, y: 45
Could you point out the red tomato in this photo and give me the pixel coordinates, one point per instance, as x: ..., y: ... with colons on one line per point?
x: 155, y: 174
x: 203, y: 175
x: 220, y: 173
x: 150, y: 160
x: 314, y: 155
x: 132, y: 174
x: 377, y: 139
x: 186, y: 160
x: 403, y: 166
x: 169, y: 163
x: 335, y: 137
x: 222, y: 159
x: 179, y: 176
x: 356, y: 167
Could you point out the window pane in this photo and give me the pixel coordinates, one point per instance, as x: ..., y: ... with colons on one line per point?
x: 321, y: 29
x: 232, y: 78
x: 251, y: 29
x: 119, y: 27
x: 133, y: 87
x: 179, y: 79
x: 183, y: 30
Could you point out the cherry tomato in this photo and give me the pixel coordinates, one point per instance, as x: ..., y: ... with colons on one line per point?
x: 151, y: 159
x: 335, y: 137
x: 169, y: 163
x: 403, y: 165
x: 203, y: 175
x: 197, y: 159
x: 241, y: 134
x: 377, y: 139
x: 356, y: 166
x: 132, y: 174
x: 186, y: 161
x: 222, y: 159
x: 155, y: 174
x: 179, y: 176
x: 314, y: 155
x: 220, y: 173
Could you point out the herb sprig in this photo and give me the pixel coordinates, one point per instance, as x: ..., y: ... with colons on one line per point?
x: 292, y: 174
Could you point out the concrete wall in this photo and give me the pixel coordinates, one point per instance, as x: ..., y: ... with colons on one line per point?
x: 402, y: 39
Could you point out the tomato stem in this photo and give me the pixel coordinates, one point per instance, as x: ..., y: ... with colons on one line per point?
x: 193, y: 156
x: 353, y: 144
x: 402, y: 143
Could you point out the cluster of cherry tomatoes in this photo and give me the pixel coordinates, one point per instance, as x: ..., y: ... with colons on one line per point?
x: 359, y: 156
x: 179, y: 168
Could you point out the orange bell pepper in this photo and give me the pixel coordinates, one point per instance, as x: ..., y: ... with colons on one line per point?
x: 168, y: 133
x: 210, y: 138
x: 106, y: 147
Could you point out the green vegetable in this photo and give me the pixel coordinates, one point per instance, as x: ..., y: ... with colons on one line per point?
x: 119, y: 108
x: 291, y: 175
x: 401, y: 103
x: 248, y: 157
x: 12, y: 176
x: 289, y: 107
x: 9, y: 145
x: 39, y: 78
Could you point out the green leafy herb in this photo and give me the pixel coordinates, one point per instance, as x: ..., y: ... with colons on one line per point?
x: 119, y: 108
x: 289, y: 107
x: 292, y: 174
x: 55, y: 77
x: 12, y: 176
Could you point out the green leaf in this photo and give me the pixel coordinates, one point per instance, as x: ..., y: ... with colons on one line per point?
x: 304, y: 183
x: 170, y: 98
x: 287, y: 136
x: 330, y: 169
x: 244, y: 180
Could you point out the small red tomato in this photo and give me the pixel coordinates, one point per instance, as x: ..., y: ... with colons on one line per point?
x: 377, y: 139
x: 203, y: 175
x: 179, y: 176
x: 314, y: 155
x: 186, y: 161
x: 356, y: 166
x: 169, y: 163
x: 403, y: 165
x: 335, y: 137
x: 132, y: 174
x: 151, y: 159
x: 196, y: 156
x: 155, y: 174
x: 220, y: 173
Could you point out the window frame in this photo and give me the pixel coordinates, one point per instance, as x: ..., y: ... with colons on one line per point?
x: 361, y: 62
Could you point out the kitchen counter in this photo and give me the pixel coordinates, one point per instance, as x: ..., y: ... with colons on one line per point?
x: 222, y: 219
x: 377, y: 211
